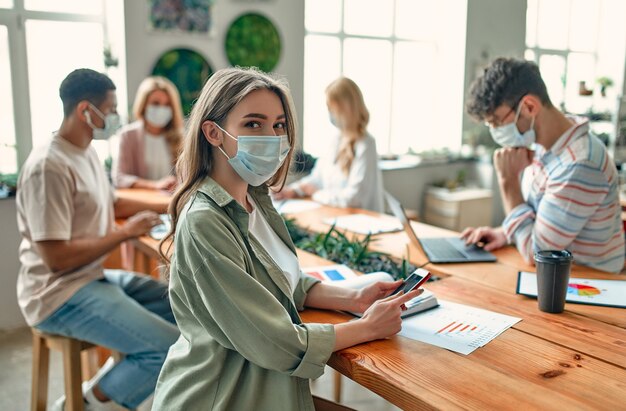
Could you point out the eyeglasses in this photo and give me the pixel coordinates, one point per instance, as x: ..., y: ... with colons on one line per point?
x: 512, y: 109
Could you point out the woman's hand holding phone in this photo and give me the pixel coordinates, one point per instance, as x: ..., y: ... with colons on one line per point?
x: 368, y: 295
x: 383, y: 317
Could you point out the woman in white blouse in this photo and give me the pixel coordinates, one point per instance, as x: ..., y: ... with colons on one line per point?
x: 149, y: 146
x: 348, y: 175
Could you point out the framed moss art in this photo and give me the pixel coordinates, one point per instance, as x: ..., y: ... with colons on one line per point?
x: 253, y: 40
x: 188, y: 70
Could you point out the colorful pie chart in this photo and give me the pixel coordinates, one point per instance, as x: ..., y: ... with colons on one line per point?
x: 582, y: 289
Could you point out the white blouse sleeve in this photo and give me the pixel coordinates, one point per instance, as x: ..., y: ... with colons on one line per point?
x: 363, y: 171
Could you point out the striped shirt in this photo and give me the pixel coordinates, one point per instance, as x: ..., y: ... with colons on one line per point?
x: 572, y: 202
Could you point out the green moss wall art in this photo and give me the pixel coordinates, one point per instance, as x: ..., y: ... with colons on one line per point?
x: 253, y: 40
x: 188, y: 70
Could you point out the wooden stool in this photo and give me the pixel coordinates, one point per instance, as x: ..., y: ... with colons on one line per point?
x: 71, y: 350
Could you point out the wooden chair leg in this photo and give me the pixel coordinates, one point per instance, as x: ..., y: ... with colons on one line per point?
x: 72, y: 375
x: 88, y: 363
x: 41, y: 361
x: 337, y: 394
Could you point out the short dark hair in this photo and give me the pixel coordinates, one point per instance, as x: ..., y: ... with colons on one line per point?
x: 84, y: 84
x: 505, y: 81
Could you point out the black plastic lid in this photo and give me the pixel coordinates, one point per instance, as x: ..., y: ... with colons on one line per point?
x: 553, y: 256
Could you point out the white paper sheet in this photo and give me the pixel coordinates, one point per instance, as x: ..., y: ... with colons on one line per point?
x: 610, y: 293
x: 294, y: 206
x: 331, y: 273
x: 159, y: 231
x: 456, y: 327
x: 364, y: 224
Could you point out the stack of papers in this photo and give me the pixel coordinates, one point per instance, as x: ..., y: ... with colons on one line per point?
x: 457, y: 327
x: 364, y: 224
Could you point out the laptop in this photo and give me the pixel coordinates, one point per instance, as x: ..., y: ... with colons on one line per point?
x: 439, y: 249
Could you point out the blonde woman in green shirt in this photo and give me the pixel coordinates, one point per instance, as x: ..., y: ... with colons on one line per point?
x: 235, y: 284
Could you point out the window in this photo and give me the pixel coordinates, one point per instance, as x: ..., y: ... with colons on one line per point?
x: 407, y: 56
x: 8, y: 153
x: 575, y: 42
x: 49, y: 40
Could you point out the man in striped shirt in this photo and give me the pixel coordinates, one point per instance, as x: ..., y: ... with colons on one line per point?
x: 568, y: 197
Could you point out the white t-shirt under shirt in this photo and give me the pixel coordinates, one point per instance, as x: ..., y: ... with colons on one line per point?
x: 157, y: 157
x: 280, y: 253
x: 362, y: 187
x: 63, y: 194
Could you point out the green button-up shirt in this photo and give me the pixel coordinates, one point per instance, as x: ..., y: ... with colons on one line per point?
x: 243, y: 345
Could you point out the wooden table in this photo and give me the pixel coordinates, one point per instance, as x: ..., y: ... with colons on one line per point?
x: 573, y: 360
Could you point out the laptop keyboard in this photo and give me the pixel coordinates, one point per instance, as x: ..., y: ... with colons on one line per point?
x: 441, y: 248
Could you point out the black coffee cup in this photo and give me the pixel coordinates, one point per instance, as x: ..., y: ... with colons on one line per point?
x: 553, y: 267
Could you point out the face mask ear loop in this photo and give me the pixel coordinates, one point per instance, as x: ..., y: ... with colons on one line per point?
x: 228, y: 134
x: 223, y: 152
x: 89, y: 122
x: 518, y: 112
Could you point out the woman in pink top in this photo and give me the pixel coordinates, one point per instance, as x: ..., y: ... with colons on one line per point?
x: 149, y: 146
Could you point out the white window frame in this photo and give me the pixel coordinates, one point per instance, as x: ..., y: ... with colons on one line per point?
x: 341, y: 35
x: 14, y: 19
x: 565, y: 52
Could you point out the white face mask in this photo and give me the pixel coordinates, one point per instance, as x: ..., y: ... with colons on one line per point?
x: 258, y: 157
x: 111, y: 124
x: 158, y: 116
x: 509, y: 135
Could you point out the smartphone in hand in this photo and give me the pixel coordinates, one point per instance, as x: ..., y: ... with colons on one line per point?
x: 415, y: 280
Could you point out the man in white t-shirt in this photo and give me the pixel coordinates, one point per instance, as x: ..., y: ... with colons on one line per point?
x: 65, y: 213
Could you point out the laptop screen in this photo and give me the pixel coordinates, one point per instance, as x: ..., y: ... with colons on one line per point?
x: 398, y: 212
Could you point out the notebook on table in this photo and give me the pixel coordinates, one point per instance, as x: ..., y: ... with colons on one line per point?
x: 439, y: 249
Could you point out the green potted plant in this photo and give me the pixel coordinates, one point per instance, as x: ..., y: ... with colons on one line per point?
x: 8, y: 185
x: 335, y: 246
x: 604, y: 82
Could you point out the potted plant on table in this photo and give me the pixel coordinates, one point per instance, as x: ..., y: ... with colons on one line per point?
x: 604, y: 82
x: 335, y: 246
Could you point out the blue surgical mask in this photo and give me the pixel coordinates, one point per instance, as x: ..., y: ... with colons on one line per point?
x: 258, y: 157
x: 509, y: 135
x: 334, y: 120
x: 111, y: 124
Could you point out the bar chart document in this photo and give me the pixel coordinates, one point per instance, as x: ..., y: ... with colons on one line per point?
x: 608, y: 293
x: 456, y: 327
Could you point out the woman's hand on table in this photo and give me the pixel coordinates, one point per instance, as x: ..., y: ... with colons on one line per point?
x: 308, y: 189
x: 285, y: 194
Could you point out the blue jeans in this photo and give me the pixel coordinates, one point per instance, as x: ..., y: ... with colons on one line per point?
x: 128, y: 313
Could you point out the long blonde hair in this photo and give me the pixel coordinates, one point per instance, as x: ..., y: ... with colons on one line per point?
x: 354, y: 119
x: 173, y: 131
x: 221, y: 93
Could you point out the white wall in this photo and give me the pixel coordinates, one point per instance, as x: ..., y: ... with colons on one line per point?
x: 10, y: 314
x: 144, y: 47
x: 409, y: 184
x: 495, y: 28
